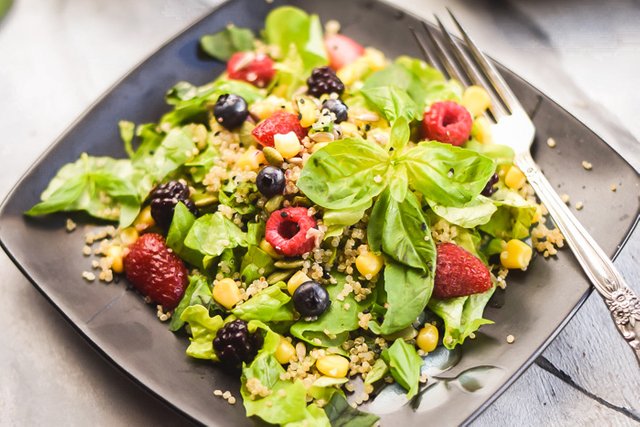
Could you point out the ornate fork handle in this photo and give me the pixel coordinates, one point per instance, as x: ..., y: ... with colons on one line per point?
x: 622, y: 301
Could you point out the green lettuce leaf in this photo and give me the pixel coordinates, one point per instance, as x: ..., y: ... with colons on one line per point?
x: 256, y: 263
x: 197, y: 293
x: 175, y: 149
x: 477, y: 212
x: 203, y: 331
x: 201, y: 164
x: 513, y: 218
x: 127, y: 133
x: 213, y: 233
x: 181, y: 223
x: 268, y: 305
x: 448, y: 175
x: 404, y: 365
x: 502, y: 154
x: 377, y: 372
x: 392, y: 102
x: 342, y: 414
x: 344, y: 174
x: 222, y: 45
x: 337, y: 219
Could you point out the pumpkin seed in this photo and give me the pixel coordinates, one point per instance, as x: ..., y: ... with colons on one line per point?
x: 285, y: 264
x: 279, y: 276
x: 273, y: 156
x: 273, y: 204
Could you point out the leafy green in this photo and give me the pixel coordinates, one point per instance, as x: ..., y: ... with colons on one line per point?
x: 175, y: 150
x: 377, y: 372
x: 462, y: 316
x: 101, y: 186
x: 448, y: 175
x: 399, y: 230
x: 337, y: 219
x: 342, y: 414
x: 213, y: 233
x: 222, y: 45
x: 313, y: 416
x: 268, y: 305
x: 201, y: 164
x: 408, y: 290
x: 203, y: 331
x: 197, y: 293
x: 404, y: 365
x: 471, y: 215
x: 513, y: 218
x: 502, y: 154
x: 392, y: 102
x: 344, y: 174
x: 256, y: 263
x: 181, y: 223
x: 255, y: 232
x: 291, y: 28
x: 337, y: 320
x: 127, y: 133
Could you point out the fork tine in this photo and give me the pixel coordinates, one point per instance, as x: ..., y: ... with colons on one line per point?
x: 425, y: 50
x: 443, y: 57
x: 474, y: 77
x: 490, y: 71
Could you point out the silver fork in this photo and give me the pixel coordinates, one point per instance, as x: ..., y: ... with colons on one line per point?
x: 513, y: 127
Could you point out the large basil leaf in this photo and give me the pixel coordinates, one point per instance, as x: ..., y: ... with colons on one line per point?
x: 213, y: 233
x: 448, y: 175
x: 222, y: 45
x: 404, y: 365
x: 399, y: 230
x: 392, y: 102
x: 345, y: 173
x: 408, y: 290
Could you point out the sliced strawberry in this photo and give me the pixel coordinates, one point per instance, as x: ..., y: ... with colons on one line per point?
x: 342, y: 50
x: 281, y: 122
x: 459, y: 273
x: 254, y: 68
x: 155, y: 271
x: 287, y: 230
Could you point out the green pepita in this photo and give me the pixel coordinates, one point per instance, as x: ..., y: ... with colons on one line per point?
x: 289, y: 264
x: 279, y: 276
x: 273, y: 156
x: 273, y: 204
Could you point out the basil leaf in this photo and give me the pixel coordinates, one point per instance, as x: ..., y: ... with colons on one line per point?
x: 268, y: 305
x: 345, y: 173
x: 399, y: 230
x: 462, y: 316
x: 408, y: 290
x: 512, y: 220
x: 197, y: 293
x: 400, y: 134
x: 502, y: 154
x: 203, y: 331
x: 392, y: 102
x: 404, y: 364
x: 213, y: 233
x: 377, y: 372
x: 448, y: 175
x: 313, y: 416
x: 477, y: 212
x: 176, y: 149
x: 181, y: 223
x: 224, y: 44
x: 342, y: 414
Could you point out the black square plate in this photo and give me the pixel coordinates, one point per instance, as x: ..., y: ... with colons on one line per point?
x: 537, y: 304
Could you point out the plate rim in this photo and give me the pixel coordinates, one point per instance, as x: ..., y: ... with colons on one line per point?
x: 153, y: 51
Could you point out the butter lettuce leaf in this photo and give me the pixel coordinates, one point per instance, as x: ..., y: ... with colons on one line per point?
x: 404, y: 365
x: 211, y: 234
x: 268, y: 305
x: 198, y: 292
x: 203, y: 330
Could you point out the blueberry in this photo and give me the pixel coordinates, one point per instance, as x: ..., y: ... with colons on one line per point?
x: 270, y: 181
x: 311, y: 299
x: 489, y: 189
x: 230, y: 110
x: 337, y: 107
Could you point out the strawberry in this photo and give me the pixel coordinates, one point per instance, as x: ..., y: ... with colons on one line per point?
x: 254, y: 68
x: 448, y: 122
x: 281, y: 122
x: 287, y: 230
x: 342, y: 50
x: 459, y: 273
x: 155, y: 271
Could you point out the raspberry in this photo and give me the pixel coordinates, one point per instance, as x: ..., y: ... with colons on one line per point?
x: 281, y: 122
x: 459, y: 273
x: 234, y: 344
x: 448, y: 122
x: 164, y: 199
x: 324, y: 80
x: 254, y: 68
x: 287, y: 231
x: 155, y: 271
x: 342, y: 50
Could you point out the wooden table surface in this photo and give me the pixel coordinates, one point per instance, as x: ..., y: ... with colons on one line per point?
x: 56, y: 57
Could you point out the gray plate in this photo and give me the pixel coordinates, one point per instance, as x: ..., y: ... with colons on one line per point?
x: 123, y: 329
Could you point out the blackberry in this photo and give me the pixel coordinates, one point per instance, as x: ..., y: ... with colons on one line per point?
x: 234, y: 344
x: 324, y: 80
x: 163, y: 201
x: 489, y: 189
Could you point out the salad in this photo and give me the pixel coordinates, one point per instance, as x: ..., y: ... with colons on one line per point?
x: 317, y: 217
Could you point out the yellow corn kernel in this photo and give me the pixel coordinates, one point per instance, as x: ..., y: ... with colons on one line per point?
x: 296, y: 280
x: 537, y: 216
x: 270, y: 250
x: 514, y: 178
x: 250, y: 160
x: 285, y: 351
x: 288, y: 144
x: 369, y: 264
x: 128, y: 236
x: 427, y: 338
x: 268, y: 106
x: 517, y: 254
x: 375, y: 59
x: 476, y: 100
x: 333, y: 365
x: 482, y: 130
x: 144, y: 219
x: 226, y: 293
x: 308, y: 111
x: 114, y: 253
